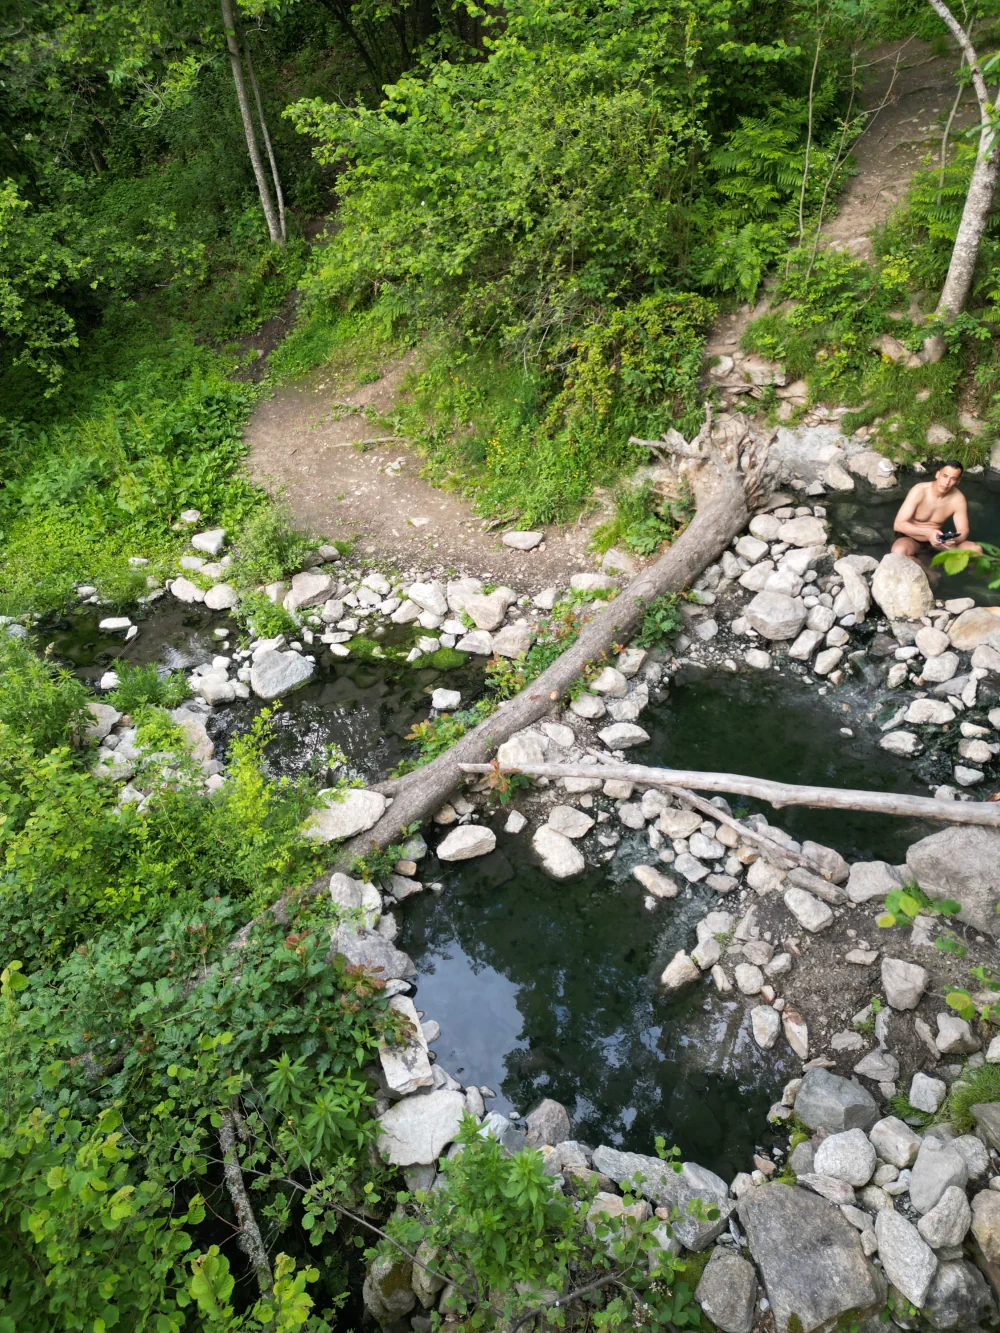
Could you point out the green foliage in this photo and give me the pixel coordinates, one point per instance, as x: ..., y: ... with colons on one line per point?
x: 987, y: 565
x: 41, y: 705
x: 146, y: 684
x: 975, y: 1086
x: 902, y: 906
x: 501, y: 1218
x: 643, y: 523
x: 268, y: 547
x: 264, y: 618
x: 661, y: 621
x: 436, y: 734
x: 377, y: 865
x: 71, y: 857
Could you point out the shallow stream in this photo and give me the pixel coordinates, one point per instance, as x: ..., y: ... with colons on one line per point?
x: 548, y: 988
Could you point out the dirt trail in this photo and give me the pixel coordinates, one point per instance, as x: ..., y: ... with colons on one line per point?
x: 918, y: 88
x: 300, y: 442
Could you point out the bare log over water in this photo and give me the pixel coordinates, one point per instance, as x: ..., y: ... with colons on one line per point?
x: 778, y: 794
x: 726, y: 472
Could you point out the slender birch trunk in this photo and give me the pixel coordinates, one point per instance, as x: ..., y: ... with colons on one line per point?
x: 978, y: 201
x: 278, y: 192
x: 263, y: 188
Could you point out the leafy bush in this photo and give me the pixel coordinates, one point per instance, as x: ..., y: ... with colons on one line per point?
x: 269, y: 546
x: 661, y: 621
x: 146, y: 684
x: 501, y: 1221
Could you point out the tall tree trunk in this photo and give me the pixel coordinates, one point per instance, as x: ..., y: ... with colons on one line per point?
x: 978, y: 201
x: 263, y: 188
x: 279, y: 193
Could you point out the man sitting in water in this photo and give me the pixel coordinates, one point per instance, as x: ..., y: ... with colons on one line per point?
x: 929, y: 506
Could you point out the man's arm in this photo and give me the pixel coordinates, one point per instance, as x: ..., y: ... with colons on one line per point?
x: 908, y: 526
x: 961, y: 517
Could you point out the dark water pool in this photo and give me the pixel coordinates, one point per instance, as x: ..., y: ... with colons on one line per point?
x: 861, y: 521
x: 548, y: 989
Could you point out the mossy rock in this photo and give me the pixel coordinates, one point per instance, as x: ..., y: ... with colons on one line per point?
x: 445, y: 659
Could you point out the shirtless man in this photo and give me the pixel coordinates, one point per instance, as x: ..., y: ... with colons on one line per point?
x: 928, y: 505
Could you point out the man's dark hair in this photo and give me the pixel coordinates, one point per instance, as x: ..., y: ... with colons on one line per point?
x: 952, y: 462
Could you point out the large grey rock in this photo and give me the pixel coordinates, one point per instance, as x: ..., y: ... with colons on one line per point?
x: 487, y: 612
x: 871, y: 879
x: 903, y: 982
x: 802, y: 451
x: 973, y: 627
x: 548, y: 1123
x: 828, y: 1101
x: 275, y: 673
x: 901, y: 590
x: 948, y: 1221
x: 986, y: 1224
x: 927, y: 1093
x: 672, y: 1189
x: 356, y: 811
x: 847, y: 1156
x: 429, y: 597
x: 623, y: 736
x: 388, y: 1290
x: 955, y: 1036
x: 805, y: 531
x: 221, y: 597
x: 419, y: 1128
x: 467, y: 841
x: 909, y: 1262
x: 958, y: 1298
x: 105, y: 718
x: 810, y: 1258
x: 963, y: 863
x: 895, y: 1142
x: 405, y: 1064
x: 357, y: 896
x: 309, y: 590
x: 366, y: 948
x: 426, y: 1285
x: 774, y: 615
x: 810, y: 912
x: 727, y: 1292
x: 937, y: 1167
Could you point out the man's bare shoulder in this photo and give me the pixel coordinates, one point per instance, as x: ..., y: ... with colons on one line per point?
x: 918, y: 491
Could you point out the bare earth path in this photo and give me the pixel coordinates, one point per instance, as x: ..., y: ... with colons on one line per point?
x: 898, y: 139
x: 300, y: 442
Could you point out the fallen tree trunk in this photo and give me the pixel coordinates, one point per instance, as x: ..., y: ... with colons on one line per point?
x: 778, y: 794
x: 727, y: 476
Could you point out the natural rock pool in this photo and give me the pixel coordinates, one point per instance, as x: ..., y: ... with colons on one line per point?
x: 547, y: 988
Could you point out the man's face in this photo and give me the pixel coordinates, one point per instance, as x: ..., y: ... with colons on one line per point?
x: 947, y: 478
